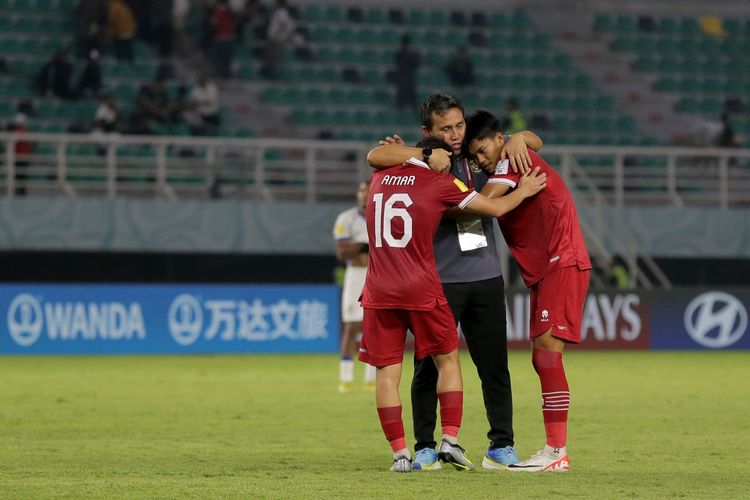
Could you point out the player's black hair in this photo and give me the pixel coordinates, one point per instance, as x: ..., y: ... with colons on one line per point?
x: 434, y: 143
x: 438, y: 104
x: 480, y: 125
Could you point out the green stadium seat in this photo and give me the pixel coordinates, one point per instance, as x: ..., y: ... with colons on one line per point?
x: 499, y: 20
x: 367, y: 36
x: 375, y: 15
x: 329, y: 75
x: 334, y: 14
x: 344, y: 35
x: 274, y: 95
x: 358, y: 96
x: 418, y: 17
x: 312, y: 13
x: 666, y: 84
x: 315, y: 96
x: 690, y: 25
x: 688, y: 105
x: 626, y: 123
x: 560, y: 102
x: 389, y: 36
x: 581, y: 123
x: 561, y: 123
x: 326, y: 54
x: 323, y: 33
x: 373, y: 77
x: 292, y: 95
x: 300, y: 116
x: 711, y: 106
x: 583, y: 103
x: 604, y: 103
x: 438, y: 18
x: 667, y: 25
x: 623, y: 44
x: 604, y: 123
x: 603, y: 23
x: 625, y: 24
x: 688, y: 86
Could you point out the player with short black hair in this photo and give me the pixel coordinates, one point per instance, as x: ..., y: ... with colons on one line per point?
x: 544, y: 235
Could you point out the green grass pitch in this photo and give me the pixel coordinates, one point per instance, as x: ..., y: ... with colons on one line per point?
x: 648, y: 425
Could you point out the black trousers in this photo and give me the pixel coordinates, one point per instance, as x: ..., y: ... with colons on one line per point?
x: 480, y: 308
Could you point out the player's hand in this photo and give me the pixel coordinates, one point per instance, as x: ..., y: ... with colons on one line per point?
x: 516, y: 152
x: 440, y: 160
x: 396, y: 139
x: 532, y: 182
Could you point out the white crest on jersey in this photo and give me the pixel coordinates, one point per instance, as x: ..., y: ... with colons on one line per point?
x: 502, y: 168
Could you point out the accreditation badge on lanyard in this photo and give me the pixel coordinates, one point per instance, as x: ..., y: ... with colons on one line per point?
x: 470, y: 231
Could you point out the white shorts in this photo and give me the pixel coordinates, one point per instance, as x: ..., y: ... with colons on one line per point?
x: 354, y: 280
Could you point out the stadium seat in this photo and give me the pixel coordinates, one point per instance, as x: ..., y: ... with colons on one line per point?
x: 603, y: 23
x: 376, y: 15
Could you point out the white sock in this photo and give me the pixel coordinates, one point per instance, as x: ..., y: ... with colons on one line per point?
x: 450, y: 439
x: 403, y: 452
x: 346, y: 370
x: 369, y: 373
x: 555, y: 452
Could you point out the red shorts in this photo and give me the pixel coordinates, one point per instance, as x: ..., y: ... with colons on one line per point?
x: 557, y: 303
x: 384, y: 333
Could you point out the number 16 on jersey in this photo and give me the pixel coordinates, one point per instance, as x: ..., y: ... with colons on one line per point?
x: 384, y: 215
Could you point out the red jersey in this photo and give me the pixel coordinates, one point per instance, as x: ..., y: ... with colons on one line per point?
x: 404, y: 209
x: 542, y: 232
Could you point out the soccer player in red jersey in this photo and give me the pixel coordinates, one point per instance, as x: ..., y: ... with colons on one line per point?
x: 403, y: 290
x: 545, y: 238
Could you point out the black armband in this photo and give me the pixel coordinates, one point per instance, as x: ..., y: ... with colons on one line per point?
x: 365, y: 249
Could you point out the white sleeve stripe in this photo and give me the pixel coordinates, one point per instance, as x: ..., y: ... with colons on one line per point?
x: 507, y: 182
x: 468, y: 199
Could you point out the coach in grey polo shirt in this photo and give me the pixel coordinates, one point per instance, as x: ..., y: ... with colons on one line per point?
x: 472, y: 280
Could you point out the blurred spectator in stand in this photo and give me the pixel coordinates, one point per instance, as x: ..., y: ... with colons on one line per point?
x: 239, y: 8
x: 726, y: 137
x: 22, y: 152
x: 90, y: 79
x: 222, y: 39
x: 281, y: 32
x: 90, y: 20
x: 460, y: 69
x: 161, y: 26
x: 180, y: 11
x: 55, y: 77
x: 405, y: 76
x: 122, y: 28
x: 106, y: 121
x: 514, y: 121
x: 151, y: 104
x: 107, y: 115
x: 205, y: 100
x: 256, y: 14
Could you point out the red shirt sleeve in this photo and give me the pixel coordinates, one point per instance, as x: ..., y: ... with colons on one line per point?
x: 454, y: 192
x: 504, y: 175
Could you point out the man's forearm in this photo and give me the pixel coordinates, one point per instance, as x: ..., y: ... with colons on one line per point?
x: 391, y: 154
x: 533, y: 141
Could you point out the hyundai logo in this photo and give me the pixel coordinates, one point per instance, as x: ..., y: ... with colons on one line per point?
x: 185, y: 319
x: 715, y: 319
x: 25, y: 320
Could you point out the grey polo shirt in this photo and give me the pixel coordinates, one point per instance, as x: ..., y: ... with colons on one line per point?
x: 453, y: 265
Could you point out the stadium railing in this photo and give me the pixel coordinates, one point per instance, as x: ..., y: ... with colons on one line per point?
x: 319, y: 171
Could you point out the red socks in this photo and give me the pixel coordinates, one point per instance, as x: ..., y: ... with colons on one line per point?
x: 393, y: 426
x: 451, y: 411
x: 555, y: 395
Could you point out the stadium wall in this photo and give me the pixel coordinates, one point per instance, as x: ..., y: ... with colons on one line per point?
x: 252, y: 227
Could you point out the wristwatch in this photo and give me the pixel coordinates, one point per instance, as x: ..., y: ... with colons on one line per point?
x: 426, y: 153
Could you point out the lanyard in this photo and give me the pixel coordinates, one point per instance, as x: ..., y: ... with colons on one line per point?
x: 469, y: 177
